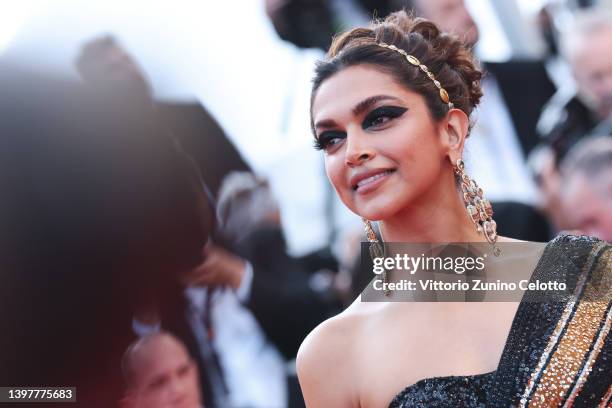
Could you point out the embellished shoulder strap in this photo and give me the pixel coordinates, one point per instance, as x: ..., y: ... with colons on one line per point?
x: 565, y: 368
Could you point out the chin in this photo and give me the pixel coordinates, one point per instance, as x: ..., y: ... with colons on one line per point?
x: 381, y: 204
x: 378, y: 208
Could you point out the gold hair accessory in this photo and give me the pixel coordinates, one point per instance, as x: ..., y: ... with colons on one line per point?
x: 478, y: 208
x: 415, y: 61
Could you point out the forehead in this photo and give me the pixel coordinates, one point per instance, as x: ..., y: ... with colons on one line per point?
x: 159, y: 356
x: 579, y: 193
x: 594, y: 47
x: 340, y: 93
x: 585, y: 201
x: 439, y: 6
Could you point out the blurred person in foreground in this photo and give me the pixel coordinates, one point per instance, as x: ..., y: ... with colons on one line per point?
x: 106, y: 68
x: 160, y: 373
x: 104, y: 64
x: 97, y: 207
x: 586, y: 187
x: 201, y: 305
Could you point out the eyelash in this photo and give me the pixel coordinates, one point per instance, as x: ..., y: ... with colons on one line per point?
x: 391, y: 112
x: 323, y: 141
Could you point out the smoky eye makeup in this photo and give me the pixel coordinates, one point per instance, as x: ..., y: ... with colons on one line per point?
x: 377, y: 118
x: 328, y: 138
x: 382, y: 115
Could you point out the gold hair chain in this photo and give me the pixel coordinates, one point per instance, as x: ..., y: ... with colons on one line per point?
x: 415, y: 61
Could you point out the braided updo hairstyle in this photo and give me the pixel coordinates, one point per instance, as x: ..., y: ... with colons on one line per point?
x: 445, y: 55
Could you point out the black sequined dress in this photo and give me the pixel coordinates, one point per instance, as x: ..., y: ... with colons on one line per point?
x: 556, y: 355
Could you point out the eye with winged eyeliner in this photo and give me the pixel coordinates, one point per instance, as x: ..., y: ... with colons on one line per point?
x: 376, y: 118
x: 382, y: 115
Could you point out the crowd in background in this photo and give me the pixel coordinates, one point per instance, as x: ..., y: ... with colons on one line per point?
x: 148, y: 262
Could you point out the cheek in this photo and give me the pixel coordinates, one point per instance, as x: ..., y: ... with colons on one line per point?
x: 418, y: 158
x: 150, y: 399
x: 419, y: 162
x: 336, y: 172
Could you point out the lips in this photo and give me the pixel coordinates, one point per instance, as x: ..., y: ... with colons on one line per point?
x: 369, y: 179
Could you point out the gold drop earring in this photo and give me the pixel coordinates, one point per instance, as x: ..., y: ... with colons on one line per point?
x: 478, y: 208
x: 376, y: 248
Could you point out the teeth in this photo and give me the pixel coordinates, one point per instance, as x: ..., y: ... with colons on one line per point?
x: 372, y: 178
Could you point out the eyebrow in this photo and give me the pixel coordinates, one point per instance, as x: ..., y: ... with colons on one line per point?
x: 366, y: 103
x: 357, y: 110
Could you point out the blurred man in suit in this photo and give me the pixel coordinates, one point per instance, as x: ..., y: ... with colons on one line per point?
x: 586, y: 187
x: 573, y: 114
x: 281, y: 286
x: 588, y: 111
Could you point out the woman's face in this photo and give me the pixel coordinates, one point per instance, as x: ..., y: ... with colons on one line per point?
x: 383, y: 150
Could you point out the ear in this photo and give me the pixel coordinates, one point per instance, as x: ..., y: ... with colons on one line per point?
x: 454, y: 130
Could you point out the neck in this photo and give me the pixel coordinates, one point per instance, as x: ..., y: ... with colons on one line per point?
x: 439, y: 215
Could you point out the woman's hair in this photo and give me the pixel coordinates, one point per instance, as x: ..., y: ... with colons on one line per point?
x: 443, y: 54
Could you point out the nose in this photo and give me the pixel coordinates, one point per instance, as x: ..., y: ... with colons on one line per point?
x: 358, y: 149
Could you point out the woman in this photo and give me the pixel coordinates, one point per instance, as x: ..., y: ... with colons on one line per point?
x: 390, y: 109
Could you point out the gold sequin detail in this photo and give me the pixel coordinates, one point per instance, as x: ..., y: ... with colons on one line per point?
x: 560, y: 371
x: 602, y: 294
x: 554, y: 338
x: 551, y: 344
x: 590, y: 361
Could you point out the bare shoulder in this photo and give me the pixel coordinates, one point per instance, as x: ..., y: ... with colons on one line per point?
x: 329, y: 352
x: 332, y: 335
x: 501, y: 238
